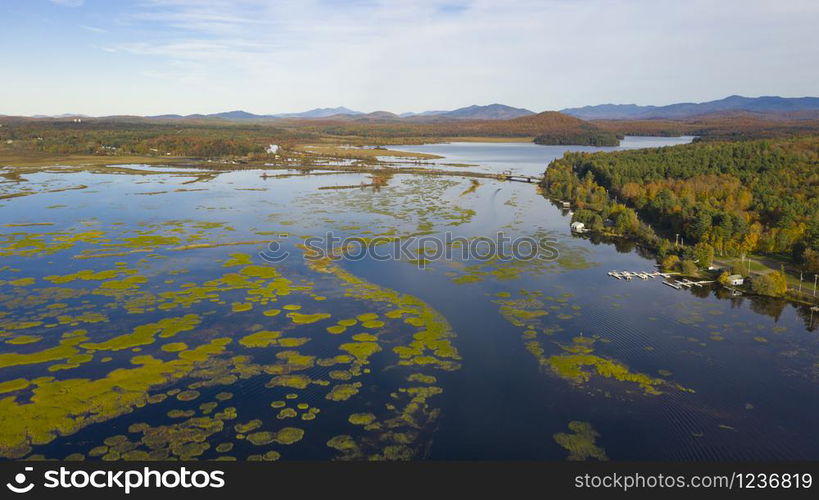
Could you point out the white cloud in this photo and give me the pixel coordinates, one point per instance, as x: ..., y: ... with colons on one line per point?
x: 68, y: 3
x: 93, y: 29
x: 412, y: 55
x: 428, y: 53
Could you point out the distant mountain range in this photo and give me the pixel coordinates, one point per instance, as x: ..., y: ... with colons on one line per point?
x: 244, y: 115
x: 734, y: 103
x: 474, y: 112
x: 766, y: 107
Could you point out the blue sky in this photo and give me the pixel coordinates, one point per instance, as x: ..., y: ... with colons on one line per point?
x: 103, y: 57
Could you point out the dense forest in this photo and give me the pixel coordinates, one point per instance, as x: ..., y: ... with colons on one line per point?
x: 590, y: 136
x: 218, y: 137
x: 551, y: 127
x: 209, y: 140
x: 725, y: 198
x: 717, y: 126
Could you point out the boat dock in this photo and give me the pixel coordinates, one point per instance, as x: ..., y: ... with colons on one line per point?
x: 645, y: 275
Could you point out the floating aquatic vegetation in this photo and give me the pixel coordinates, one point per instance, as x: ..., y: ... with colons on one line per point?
x: 24, y: 339
x: 241, y: 307
x: 224, y: 447
x: 187, y: 395
x: 131, y: 282
x: 286, y: 413
x: 361, y: 351
x: 580, y: 443
x: 343, y: 392
x: 579, y: 368
x: 362, y: 418
x: 270, y: 456
x: 174, y: 347
x: 306, y: 319
x: 248, y: 426
x: 66, y: 350
x: 144, y: 334
x: 238, y: 259
x: 295, y: 381
x: 17, y: 384
x: 400, y: 322
x: 578, y: 365
x: 345, y: 444
x: 61, y: 407
x: 285, y: 436
x: 263, y: 338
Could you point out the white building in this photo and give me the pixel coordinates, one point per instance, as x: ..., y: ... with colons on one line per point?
x: 736, y: 280
x: 578, y: 227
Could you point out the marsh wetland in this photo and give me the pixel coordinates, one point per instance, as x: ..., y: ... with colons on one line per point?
x: 139, y: 321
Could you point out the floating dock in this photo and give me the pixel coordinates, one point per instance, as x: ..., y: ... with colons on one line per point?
x: 646, y: 275
x: 643, y: 275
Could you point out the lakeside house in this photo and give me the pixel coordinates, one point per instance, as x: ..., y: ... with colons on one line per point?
x: 736, y: 280
x: 578, y: 227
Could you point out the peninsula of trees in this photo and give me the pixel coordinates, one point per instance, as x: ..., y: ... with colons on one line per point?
x: 720, y: 198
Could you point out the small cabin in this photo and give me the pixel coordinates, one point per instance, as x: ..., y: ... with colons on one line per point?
x: 578, y: 227
x: 566, y: 204
x: 736, y: 280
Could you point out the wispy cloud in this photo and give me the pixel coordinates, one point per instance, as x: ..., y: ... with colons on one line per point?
x: 93, y: 29
x: 68, y: 3
x: 411, y: 55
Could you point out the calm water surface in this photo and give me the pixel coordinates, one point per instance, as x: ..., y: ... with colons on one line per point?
x: 139, y: 320
x: 526, y: 158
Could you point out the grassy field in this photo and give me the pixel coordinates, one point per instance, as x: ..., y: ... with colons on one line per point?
x: 36, y: 159
x: 762, y: 264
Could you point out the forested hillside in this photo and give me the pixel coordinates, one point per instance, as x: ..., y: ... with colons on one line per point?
x: 735, y: 197
x: 550, y: 127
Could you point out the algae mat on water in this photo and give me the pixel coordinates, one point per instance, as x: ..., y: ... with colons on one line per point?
x: 162, y: 353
